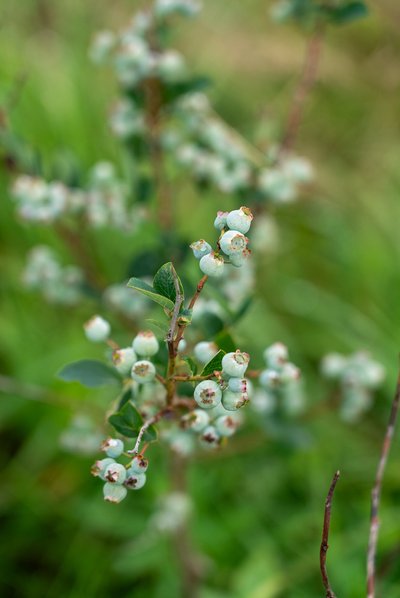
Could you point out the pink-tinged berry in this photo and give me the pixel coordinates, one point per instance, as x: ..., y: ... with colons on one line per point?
x: 240, y: 220
x: 145, y: 343
x: 237, y: 384
x: 212, y: 265
x: 97, y: 329
x: 207, y: 394
x: 99, y: 467
x: 220, y: 221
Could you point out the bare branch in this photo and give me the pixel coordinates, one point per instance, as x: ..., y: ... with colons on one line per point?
x: 376, y: 494
x: 177, y: 307
x: 325, y: 537
x: 150, y: 422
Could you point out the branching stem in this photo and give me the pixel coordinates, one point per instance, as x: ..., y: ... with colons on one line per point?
x: 325, y: 537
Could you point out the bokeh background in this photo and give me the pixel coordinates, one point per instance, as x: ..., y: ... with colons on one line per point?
x: 331, y: 283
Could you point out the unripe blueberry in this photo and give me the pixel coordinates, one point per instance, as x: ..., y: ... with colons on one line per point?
x: 276, y: 355
x: 210, y: 437
x: 205, y: 351
x: 113, y: 447
x: 182, y: 345
x: 333, y: 365
x: 235, y: 364
x: 240, y: 219
x: 237, y: 384
x: 200, y: 248
x: 234, y: 400
x: 143, y: 372
x: 97, y: 329
x: 239, y: 259
x: 196, y: 420
x: 212, y: 264
x: 290, y: 373
x: 134, y: 481
x: 139, y: 464
x: 145, y: 343
x: 226, y: 425
x: 123, y: 359
x: 114, y: 493
x: 207, y: 394
x: 233, y: 242
x: 99, y: 467
x: 220, y: 221
x: 115, y: 473
x: 374, y: 374
x: 269, y: 379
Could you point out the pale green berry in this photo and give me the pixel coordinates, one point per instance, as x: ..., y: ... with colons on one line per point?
x: 114, y: 492
x: 237, y: 384
x: 113, y: 447
x: 139, y: 464
x: 374, y: 374
x: 263, y: 401
x: 200, y: 248
x: 226, y: 425
x: 115, y: 473
x: 234, y: 400
x: 134, y: 481
x: 182, y: 345
x: 205, y: 351
x: 276, y: 355
x: 333, y: 365
x: 97, y: 329
x: 289, y: 373
x: 212, y: 265
x: 99, y: 467
x: 123, y: 359
x: 240, y: 220
x: 220, y: 221
x: 233, y: 242
x: 269, y: 379
x: 207, y: 394
x: 145, y: 343
x: 143, y: 372
x: 235, y: 364
x: 196, y: 420
x: 239, y: 259
x: 170, y: 66
x: 210, y: 438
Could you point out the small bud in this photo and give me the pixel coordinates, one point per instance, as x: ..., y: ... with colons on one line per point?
x: 212, y: 265
x: 113, y: 447
x: 235, y: 364
x: 143, y: 372
x: 97, y: 329
x: 114, y: 493
x: 240, y: 220
x: 145, y: 343
x: 200, y: 248
x: 207, y: 394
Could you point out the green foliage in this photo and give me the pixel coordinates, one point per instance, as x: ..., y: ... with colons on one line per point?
x: 127, y: 421
x: 164, y: 282
x: 90, y: 373
x: 214, y: 365
x: 149, y: 291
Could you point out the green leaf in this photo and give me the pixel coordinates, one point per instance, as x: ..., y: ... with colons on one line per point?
x: 159, y: 326
x: 349, y: 12
x: 192, y: 365
x: 125, y: 397
x: 89, y: 372
x: 149, y: 291
x: 215, y: 364
x: 164, y: 282
x: 225, y: 341
x: 127, y: 421
x: 150, y: 434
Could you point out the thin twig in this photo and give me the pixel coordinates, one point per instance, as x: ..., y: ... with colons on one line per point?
x: 189, y: 378
x: 177, y: 307
x: 325, y: 537
x: 150, y: 422
x: 304, y: 87
x: 376, y: 494
x: 199, y: 288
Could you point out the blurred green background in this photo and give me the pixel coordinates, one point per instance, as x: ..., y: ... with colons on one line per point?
x: 333, y: 283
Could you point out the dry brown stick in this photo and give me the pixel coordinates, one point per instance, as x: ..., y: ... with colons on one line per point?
x: 376, y: 494
x: 325, y: 537
x: 303, y: 89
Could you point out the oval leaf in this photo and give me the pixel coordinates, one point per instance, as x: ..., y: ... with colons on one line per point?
x: 164, y: 282
x: 89, y: 372
x: 149, y: 291
x: 215, y: 364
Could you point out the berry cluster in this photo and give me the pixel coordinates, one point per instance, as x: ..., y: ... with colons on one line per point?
x: 358, y: 376
x: 232, y: 244
x: 119, y: 478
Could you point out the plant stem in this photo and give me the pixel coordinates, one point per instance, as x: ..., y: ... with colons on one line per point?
x: 199, y: 288
x: 303, y: 89
x: 325, y: 537
x: 376, y: 494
